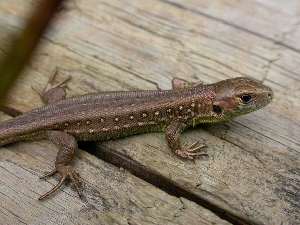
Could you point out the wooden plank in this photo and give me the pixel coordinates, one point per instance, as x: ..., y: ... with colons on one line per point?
x: 252, y: 171
x: 113, y: 196
x: 199, y: 58
x: 252, y: 177
x: 277, y: 21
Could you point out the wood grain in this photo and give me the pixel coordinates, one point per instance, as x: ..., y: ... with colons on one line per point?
x: 112, y: 196
x: 252, y: 172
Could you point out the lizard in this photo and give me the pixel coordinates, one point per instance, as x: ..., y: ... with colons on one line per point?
x: 115, y: 114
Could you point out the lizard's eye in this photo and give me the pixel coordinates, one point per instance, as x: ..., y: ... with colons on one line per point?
x: 246, y: 98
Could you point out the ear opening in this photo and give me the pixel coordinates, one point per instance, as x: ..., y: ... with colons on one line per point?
x: 217, y: 109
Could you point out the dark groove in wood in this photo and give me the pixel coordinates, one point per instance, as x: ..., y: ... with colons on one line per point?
x: 159, y: 181
x: 156, y: 34
x: 219, y: 62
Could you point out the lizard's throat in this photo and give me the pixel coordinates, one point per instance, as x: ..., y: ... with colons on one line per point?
x: 209, y: 119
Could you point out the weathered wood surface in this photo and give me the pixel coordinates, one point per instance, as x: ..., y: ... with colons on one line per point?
x: 113, y: 196
x: 253, y: 169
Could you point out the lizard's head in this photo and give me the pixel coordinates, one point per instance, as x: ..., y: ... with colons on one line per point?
x: 239, y: 96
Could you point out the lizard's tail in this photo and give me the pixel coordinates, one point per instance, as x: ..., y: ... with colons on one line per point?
x: 17, y: 129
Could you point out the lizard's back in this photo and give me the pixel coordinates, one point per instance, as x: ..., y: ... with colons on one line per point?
x: 100, y: 116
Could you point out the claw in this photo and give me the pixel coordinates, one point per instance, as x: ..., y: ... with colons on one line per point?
x: 62, y: 83
x: 66, y: 172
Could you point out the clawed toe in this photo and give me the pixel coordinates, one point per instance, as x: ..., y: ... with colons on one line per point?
x: 66, y: 172
x: 192, y: 151
x: 76, y: 182
x: 195, y: 147
x: 194, y: 144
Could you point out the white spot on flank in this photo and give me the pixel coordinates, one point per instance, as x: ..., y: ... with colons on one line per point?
x: 66, y: 124
x: 193, y: 105
x: 156, y: 113
x: 88, y: 122
x: 91, y: 131
x: 102, y: 120
x: 169, y: 110
x: 144, y: 115
x: 140, y: 123
x: 181, y: 107
x: 131, y: 117
x: 116, y: 119
x: 104, y: 129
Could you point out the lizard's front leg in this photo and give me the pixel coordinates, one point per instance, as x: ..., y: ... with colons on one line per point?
x: 179, y: 83
x: 67, y: 146
x: 173, y: 132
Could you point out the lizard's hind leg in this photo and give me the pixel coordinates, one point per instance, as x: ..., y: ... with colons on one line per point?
x: 53, y: 93
x: 67, y: 146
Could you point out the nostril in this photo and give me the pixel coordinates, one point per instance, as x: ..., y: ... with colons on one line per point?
x: 270, y: 95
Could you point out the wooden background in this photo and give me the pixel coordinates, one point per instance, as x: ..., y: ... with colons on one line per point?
x: 252, y: 174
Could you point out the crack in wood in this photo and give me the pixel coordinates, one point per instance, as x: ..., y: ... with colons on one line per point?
x: 159, y: 181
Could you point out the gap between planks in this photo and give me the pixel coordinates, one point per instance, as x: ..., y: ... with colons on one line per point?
x: 137, y: 169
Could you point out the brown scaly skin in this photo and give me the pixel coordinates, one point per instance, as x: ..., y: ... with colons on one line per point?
x: 111, y: 115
